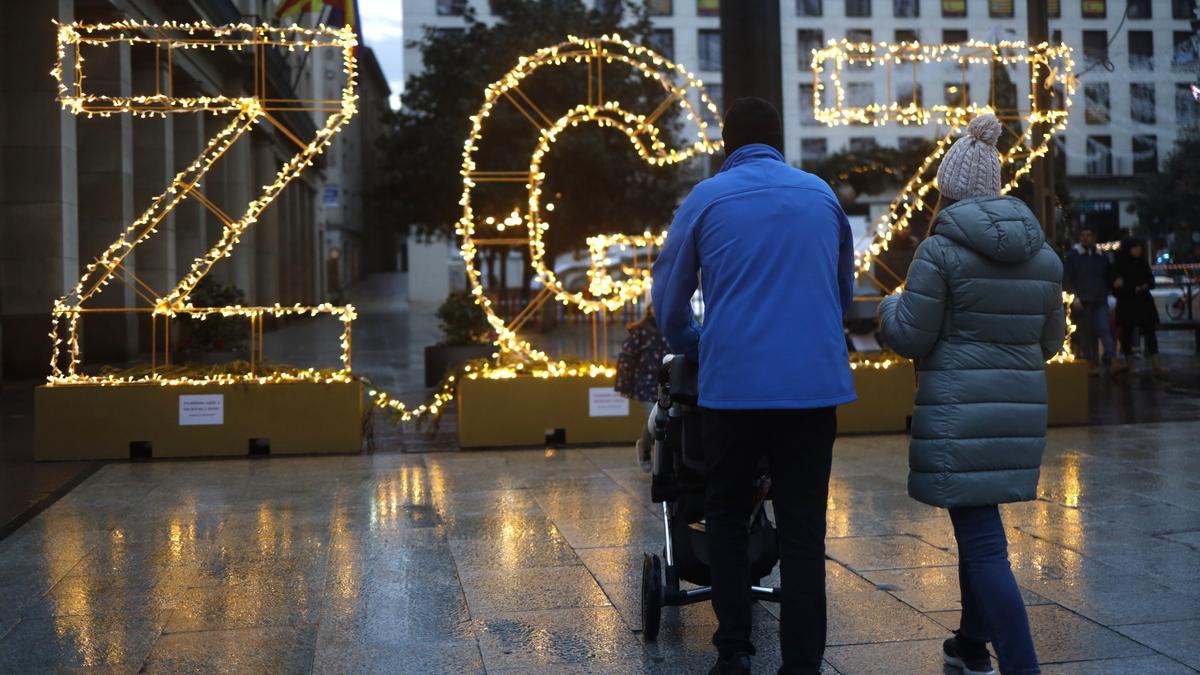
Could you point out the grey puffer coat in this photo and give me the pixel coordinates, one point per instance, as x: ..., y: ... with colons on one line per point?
x: 981, y: 312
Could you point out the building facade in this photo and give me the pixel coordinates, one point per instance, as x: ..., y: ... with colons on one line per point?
x: 69, y: 185
x: 1136, y: 62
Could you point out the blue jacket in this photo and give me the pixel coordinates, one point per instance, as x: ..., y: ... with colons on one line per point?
x: 1088, y: 274
x: 775, y: 250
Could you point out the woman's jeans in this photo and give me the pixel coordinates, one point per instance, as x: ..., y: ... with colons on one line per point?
x: 992, y: 606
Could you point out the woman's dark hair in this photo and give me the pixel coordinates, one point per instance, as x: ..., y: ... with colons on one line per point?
x: 1128, y: 244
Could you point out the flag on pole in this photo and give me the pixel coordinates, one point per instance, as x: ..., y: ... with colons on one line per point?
x: 296, y: 7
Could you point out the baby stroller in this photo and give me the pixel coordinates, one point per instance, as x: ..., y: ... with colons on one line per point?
x: 678, y: 484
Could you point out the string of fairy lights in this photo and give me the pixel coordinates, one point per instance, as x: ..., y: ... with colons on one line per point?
x: 514, y: 355
x: 248, y: 112
x: 1050, y: 66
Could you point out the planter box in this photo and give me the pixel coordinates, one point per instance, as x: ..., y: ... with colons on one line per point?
x: 525, y: 411
x: 441, y: 359
x: 119, y: 422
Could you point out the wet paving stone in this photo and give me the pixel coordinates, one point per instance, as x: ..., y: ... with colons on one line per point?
x: 1141, y: 665
x: 491, y: 591
x: 591, y: 636
x: 77, y: 643
x: 930, y: 589
x: 1176, y: 639
x: 247, y: 650
x: 356, y: 656
x: 889, y: 658
x: 885, y: 552
x: 1119, y: 598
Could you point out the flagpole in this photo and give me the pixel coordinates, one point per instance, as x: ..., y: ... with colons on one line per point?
x: 304, y: 60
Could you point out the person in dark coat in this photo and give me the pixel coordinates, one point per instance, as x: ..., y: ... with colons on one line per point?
x: 1132, y: 281
x: 981, y: 312
x: 1088, y: 275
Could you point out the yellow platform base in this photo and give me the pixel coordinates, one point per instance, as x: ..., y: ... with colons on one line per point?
x: 523, y: 410
x: 94, y: 422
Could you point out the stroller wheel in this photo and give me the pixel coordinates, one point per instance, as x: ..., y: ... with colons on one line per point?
x: 652, y: 595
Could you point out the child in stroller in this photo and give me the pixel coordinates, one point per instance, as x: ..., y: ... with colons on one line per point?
x: 677, y: 483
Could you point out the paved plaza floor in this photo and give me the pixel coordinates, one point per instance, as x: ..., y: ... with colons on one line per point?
x: 529, y: 561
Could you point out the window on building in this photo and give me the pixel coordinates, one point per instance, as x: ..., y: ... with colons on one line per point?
x: 708, y: 7
x: 448, y: 33
x: 862, y: 144
x: 451, y: 7
x: 1187, y: 107
x: 1054, y: 9
x: 953, y: 36
x: 858, y: 35
x: 956, y: 93
x: 806, y: 41
x: 1095, y: 96
x: 906, y: 8
x: 660, y: 7
x: 954, y: 8
x: 663, y: 41
x: 1094, y: 9
x: 907, y: 35
x: 1099, y: 155
x: 910, y: 143
x: 1060, y: 154
x: 1184, y: 56
x: 813, y: 150
x: 710, y: 50
x: 809, y: 8
x: 608, y: 6
x: 807, y: 114
x: 1141, y: 103
x: 1095, y: 47
x: 860, y: 94
x: 1183, y: 9
x: 1139, y: 9
x: 908, y: 93
x: 1000, y: 9
x: 858, y: 7
x: 807, y: 117
x: 1145, y: 153
x: 1141, y: 50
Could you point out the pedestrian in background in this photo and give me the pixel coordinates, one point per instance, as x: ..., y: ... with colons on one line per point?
x: 638, y: 364
x: 981, y: 312
x: 1088, y: 275
x: 1136, y: 313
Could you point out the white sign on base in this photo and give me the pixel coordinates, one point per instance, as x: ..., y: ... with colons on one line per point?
x: 201, y: 409
x: 605, y: 402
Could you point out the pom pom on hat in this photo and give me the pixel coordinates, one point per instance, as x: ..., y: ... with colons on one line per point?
x: 971, y: 167
x: 985, y: 128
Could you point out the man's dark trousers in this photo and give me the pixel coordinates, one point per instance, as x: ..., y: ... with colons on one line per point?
x: 798, y: 445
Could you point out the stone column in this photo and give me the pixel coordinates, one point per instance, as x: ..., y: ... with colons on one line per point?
x: 106, y: 204
x: 153, y: 170
x: 39, y: 226
x: 241, y: 186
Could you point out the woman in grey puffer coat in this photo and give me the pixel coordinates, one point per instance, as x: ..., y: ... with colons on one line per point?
x: 981, y: 312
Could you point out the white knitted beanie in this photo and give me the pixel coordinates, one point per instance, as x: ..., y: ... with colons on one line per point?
x: 971, y: 167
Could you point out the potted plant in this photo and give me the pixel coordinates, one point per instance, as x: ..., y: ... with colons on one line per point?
x: 464, y: 337
x: 216, y: 338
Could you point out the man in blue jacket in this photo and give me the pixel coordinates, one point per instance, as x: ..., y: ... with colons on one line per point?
x: 774, y: 249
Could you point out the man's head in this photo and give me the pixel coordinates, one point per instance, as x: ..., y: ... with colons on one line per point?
x: 752, y: 120
x: 1087, y: 236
